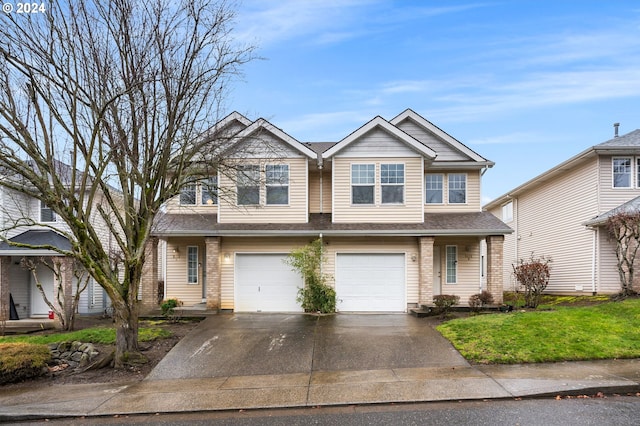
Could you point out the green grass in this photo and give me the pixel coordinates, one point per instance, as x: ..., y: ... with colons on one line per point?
x: 603, y: 331
x: 101, y: 335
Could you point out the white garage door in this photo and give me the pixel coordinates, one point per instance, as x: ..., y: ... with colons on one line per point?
x: 264, y: 283
x: 371, y: 282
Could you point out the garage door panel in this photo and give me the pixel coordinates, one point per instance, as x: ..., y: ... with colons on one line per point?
x: 264, y: 283
x: 374, y: 282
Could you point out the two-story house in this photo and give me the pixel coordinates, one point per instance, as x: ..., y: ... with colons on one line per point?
x: 396, y: 204
x: 25, y: 220
x: 556, y: 215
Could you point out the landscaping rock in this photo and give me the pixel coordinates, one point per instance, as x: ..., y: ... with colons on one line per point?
x: 74, y: 354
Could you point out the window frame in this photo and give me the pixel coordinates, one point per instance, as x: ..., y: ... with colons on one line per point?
x: 629, y: 173
x: 383, y: 185
x: 359, y: 184
x: 451, y: 273
x: 242, y: 174
x: 191, y: 188
x: 191, y: 265
x: 508, y: 208
x: 441, y: 189
x: 278, y: 185
x: 45, y: 208
x: 450, y: 187
x: 205, y: 189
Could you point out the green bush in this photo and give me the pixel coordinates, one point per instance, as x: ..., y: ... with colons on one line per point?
x: 316, y: 295
x: 477, y: 301
x: 444, y: 303
x: 168, y: 308
x: 21, y: 361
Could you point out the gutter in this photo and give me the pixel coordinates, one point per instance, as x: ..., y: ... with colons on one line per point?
x: 345, y: 233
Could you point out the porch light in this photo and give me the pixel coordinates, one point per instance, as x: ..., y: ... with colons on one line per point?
x: 227, y: 257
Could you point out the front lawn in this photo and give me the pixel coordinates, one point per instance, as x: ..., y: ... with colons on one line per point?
x: 604, y: 331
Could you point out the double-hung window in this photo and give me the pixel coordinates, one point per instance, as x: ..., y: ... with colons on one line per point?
x: 452, y: 264
x: 188, y: 195
x: 392, y: 183
x: 457, y: 188
x: 277, y: 184
x: 507, y: 212
x: 192, y: 265
x: 209, y: 191
x: 434, y: 188
x: 46, y: 214
x: 621, y: 172
x: 362, y: 183
x: 248, y: 184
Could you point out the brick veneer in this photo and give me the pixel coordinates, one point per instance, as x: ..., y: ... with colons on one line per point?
x: 494, y: 266
x: 425, y: 292
x: 212, y: 249
x: 149, y: 291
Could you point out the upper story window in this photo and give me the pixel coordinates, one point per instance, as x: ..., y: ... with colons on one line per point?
x: 507, y: 212
x: 209, y: 191
x: 188, y: 195
x: 392, y: 183
x: 434, y: 188
x: 622, y: 172
x: 277, y: 183
x: 46, y: 214
x: 248, y: 184
x: 457, y: 188
x: 362, y: 183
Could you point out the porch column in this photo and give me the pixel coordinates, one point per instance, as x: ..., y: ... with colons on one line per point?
x: 149, y: 282
x: 212, y: 249
x: 425, y: 291
x: 5, y: 290
x: 494, y: 266
x: 64, y: 285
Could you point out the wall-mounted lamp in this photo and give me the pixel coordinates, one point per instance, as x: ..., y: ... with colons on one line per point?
x: 413, y: 257
x: 227, y: 257
x: 176, y: 250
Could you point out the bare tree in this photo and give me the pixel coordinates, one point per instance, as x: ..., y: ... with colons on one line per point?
x: 624, y: 228
x: 124, y: 93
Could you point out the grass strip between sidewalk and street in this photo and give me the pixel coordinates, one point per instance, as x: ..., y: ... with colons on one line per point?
x: 605, y: 331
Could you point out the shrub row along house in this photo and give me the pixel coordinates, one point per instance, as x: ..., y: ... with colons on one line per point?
x: 396, y: 204
x: 562, y: 214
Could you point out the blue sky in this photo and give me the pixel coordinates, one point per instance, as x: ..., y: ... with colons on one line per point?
x: 526, y: 84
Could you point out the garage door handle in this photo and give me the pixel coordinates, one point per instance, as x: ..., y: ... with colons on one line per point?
x: 258, y: 289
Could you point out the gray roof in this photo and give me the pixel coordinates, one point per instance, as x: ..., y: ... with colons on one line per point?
x: 474, y: 223
x: 630, y: 206
x: 39, y: 239
x: 630, y: 140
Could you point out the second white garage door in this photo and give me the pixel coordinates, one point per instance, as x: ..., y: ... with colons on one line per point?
x: 372, y: 282
x: 264, y: 283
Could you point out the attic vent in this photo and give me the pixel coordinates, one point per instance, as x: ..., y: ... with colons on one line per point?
x: 615, y: 129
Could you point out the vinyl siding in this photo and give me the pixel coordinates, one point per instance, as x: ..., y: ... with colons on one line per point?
x: 473, y: 203
x: 509, y: 248
x: 295, y: 212
x: 408, y: 246
x: 379, y: 142
x: 468, y: 274
x: 445, y: 151
x: 611, y: 197
x: 231, y: 246
x: 410, y: 212
x: 178, y: 288
x: 608, y: 280
x: 20, y: 288
x: 314, y: 192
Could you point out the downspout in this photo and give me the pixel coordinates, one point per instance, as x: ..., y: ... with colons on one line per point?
x: 320, y: 169
x: 593, y: 260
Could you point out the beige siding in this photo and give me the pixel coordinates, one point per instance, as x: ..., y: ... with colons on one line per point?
x: 549, y: 223
x: 509, y: 248
x: 608, y: 280
x: 611, y: 197
x: 378, y: 142
x: 231, y: 246
x: 178, y: 288
x: 469, y: 267
x: 473, y: 203
x: 314, y: 192
x: 295, y: 212
x: 445, y: 151
x: 408, y: 246
x: 345, y: 212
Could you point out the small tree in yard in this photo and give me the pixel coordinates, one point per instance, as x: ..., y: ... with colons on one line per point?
x: 624, y: 228
x: 533, y: 275
x: 316, y: 295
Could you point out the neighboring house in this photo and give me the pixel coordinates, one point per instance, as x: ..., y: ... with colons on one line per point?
x: 552, y: 215
x: 27, y: 220
x: 396, y: 204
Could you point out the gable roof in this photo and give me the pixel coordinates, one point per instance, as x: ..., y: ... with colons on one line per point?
x: 630, y: 206
x: 44, y: 239
x: 381, y: 123
x: 409, y: 114
x: 262, y: 124
x: 627, y: 144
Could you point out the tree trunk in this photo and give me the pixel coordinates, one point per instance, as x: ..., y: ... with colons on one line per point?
x: 126, y: 319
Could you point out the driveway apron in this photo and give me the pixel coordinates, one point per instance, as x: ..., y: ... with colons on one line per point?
x: 272, y: 344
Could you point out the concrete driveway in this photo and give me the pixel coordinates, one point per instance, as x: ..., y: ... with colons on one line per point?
x: 275, y: 344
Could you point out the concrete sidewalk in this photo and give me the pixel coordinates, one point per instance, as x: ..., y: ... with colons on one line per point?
x: 322, y: 388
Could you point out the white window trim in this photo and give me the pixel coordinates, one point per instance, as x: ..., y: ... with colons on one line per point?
x: 509, y: 208
x: 201, y: 190
x: 258, y: 184
x: 442, y: 176
x: 195, y: 195
x: 403, y: 184
x: 196, y: 265
x: 466, y: 188
x: 446, y: 264
x: 288, y: 185
x: 43, y: 206
x: 351, y: 184
x: 613, y: 173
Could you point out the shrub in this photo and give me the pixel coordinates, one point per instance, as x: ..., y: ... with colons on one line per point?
x: 168, y: 308
x: 444, y: 303
x: 20, y: 361
x: 533, y: 275
x: 316, y: 295
x: 477, y: 301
